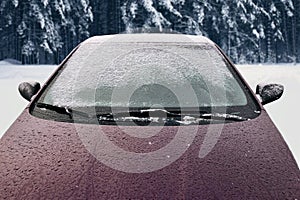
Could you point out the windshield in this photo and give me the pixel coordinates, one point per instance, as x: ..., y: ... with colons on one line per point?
x: 146, y: 75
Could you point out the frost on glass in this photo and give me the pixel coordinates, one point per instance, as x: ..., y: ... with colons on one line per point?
x: 145, y: 75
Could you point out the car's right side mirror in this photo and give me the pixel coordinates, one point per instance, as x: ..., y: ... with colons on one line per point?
x: 269, y: 92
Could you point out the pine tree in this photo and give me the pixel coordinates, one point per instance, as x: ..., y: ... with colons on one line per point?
x: 38, y: 29
x: 297, y: 28
x: 44, y: 31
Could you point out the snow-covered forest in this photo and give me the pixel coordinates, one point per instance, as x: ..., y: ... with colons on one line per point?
x: 250, y: 31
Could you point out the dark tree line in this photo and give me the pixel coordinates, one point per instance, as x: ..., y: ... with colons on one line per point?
x: 250, y: 31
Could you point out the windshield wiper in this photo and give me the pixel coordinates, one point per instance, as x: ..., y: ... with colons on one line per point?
x: 161, y: 116
x: 139, y: 115
x: 223, y: 116
x: 208, y: 117
x: 157, y: 115
x: 144, y: 113
x: 62, y: 110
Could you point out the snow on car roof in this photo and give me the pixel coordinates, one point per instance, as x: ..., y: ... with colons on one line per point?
x: 149, y: 37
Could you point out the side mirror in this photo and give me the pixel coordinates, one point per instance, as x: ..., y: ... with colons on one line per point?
x: 29, y: 89
x: 269, y: 92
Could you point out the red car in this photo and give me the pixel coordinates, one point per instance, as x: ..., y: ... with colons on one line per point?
x: 146, y: 116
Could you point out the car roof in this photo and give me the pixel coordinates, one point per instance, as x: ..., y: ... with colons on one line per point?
x: 149, y: 38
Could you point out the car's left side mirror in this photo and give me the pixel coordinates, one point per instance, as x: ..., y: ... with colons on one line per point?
x: 269, y: 92
x: 29, y: 89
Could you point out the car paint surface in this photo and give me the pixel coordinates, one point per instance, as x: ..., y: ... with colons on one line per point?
x: 47, y: 159
x: 44, y: 159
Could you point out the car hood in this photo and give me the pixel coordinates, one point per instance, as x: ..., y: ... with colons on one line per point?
x: 56, y: 160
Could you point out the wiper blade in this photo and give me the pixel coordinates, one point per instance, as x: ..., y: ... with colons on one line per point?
x: 146, y: 113
x: 206, y: 118
x: 139, y: 115
x: 223, y: 116
x: 159, y: 112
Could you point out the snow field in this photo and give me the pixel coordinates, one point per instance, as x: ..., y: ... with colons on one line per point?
x: 11, y: 102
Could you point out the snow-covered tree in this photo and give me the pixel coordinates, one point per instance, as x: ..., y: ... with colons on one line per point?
x: 41, y: 27
x: 248, y: 30
x: 44, y: 31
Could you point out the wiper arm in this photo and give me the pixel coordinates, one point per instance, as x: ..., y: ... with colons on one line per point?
x: 58, y: 109
x: 62, y: 110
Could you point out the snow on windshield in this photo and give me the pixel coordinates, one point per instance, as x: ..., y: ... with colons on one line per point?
x: 145, y: 75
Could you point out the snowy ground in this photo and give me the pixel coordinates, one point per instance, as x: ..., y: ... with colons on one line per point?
x: 11, y: 103
x: 284, y: 112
